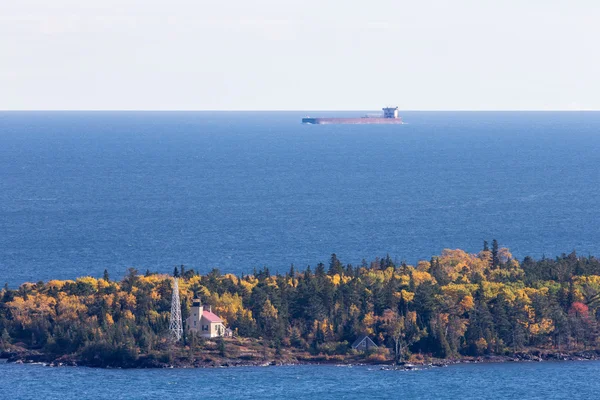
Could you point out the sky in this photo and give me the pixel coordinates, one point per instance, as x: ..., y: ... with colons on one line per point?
x: 299, y: 55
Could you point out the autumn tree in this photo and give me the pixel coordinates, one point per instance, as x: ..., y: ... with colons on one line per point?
x: 403, y: 330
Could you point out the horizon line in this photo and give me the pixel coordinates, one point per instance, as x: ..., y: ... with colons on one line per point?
x: 290, y: 110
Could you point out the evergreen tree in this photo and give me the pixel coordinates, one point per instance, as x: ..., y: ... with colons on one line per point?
x: 495, y: 259
x: 438, y: 272
x: 335, y: 266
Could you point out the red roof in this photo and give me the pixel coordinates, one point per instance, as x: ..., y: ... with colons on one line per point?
x: 211, y: 317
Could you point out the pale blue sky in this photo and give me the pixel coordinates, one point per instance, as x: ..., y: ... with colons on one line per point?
x: 299, y: 55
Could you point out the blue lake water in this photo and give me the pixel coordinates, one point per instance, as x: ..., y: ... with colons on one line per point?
x: 547, y: 380
x: 85, y: 191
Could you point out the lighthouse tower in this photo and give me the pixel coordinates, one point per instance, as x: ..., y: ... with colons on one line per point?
x: 196, y: 314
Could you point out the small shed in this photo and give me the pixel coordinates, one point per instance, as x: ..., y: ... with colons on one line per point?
x: 364, y: 343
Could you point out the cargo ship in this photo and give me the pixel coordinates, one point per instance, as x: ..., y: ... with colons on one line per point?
x: 390, y: 116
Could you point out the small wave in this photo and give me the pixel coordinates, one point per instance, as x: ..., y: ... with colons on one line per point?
x: 41, y: 199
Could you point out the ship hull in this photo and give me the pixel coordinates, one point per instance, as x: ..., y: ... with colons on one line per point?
x: 352, y: 121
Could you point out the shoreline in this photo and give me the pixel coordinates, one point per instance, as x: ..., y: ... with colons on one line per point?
x: 456, y: 308
x: 144, y: 362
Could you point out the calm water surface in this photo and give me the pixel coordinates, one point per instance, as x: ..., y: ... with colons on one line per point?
x: 81, y: 191
x: 548, y: 380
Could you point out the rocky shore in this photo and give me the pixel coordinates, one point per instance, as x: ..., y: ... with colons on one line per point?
x: 24, y: 356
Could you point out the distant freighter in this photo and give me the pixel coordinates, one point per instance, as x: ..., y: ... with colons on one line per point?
x: 390, y: 116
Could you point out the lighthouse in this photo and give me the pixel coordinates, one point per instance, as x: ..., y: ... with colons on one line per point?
x: 204, y: 322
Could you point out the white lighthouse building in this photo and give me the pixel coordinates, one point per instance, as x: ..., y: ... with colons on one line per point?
x: 204, y: 322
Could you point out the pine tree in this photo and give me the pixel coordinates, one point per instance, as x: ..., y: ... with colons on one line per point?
x: 437, y: 271
x: 106, y: 277
x: 335, y: 266
x: 495, y: 259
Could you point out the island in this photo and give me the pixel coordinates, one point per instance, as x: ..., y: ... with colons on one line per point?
x: 455, y: 307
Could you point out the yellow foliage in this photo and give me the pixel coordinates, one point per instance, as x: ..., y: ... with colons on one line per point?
x: 155, y: 279
x: 154, y: 295
x: 412, y: 316
x: 269, y: 311
x: 36, y: 306
x: 127, y: 300
x: 27, y: 287
x: 404, y: 279
x: 272, y: 282
x: 88, y: 280
x: 485, y: 256
x: 108, y: 300
x: 458, y: 263
x: 336, y: 279
x: 467, y: 303
x: 69, y: 308
x: 543, y: 327
x: 388, y: 274
x: 194, y: 280
x: 522, y: 295
x: 56, y: 284
x: 102, y: 284
x: 423, y: 266
x: 227, y: 305
x: 593, y: 280
x: 481, y: 344
x: 128, y: 315
x: 457, y: 290
x: 406, y: 295
x: 419, y: 277
x: 373, y: 277
x: 249, y: 285
x: 492, y: 289
x: 368, y: 323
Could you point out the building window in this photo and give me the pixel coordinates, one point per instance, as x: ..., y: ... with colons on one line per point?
x: 194, y: 324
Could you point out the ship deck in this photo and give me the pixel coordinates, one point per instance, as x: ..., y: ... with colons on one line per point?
x: 352, y: 121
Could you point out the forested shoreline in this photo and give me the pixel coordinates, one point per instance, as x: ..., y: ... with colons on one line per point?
x: 452, y: 306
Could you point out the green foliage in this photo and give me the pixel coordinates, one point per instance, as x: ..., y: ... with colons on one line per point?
x: 455, y: 304
x: 221, y: 347
x: 106, y: 355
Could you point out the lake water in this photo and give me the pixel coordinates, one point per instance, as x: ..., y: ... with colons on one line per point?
x: 546, y: 380
x: 85, y: 191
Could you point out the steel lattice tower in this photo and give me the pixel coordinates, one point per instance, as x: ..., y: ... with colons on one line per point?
x: 175, y: 326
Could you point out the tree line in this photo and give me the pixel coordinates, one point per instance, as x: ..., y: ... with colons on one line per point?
x: 453, y: 305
